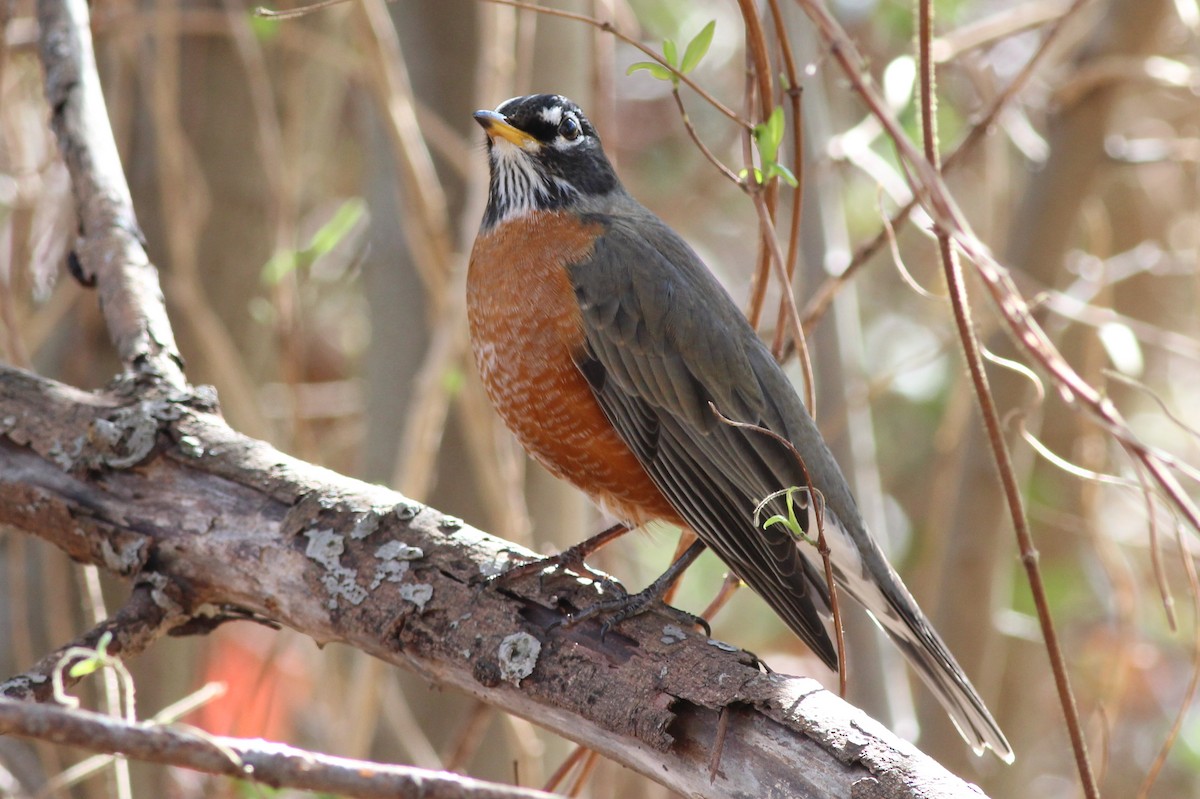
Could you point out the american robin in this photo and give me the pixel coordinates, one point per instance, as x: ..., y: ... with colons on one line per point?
x: 618, y: 361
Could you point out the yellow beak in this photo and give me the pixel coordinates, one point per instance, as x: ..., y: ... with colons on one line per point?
x: 495, y: 125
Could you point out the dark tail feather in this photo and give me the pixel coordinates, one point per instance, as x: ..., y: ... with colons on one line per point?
x: 923, y: 647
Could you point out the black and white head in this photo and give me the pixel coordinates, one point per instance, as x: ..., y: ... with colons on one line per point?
x: 544, y: 155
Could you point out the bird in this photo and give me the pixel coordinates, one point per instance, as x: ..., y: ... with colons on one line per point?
x: 622, y: 365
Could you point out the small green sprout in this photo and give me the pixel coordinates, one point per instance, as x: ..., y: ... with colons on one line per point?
x: 286, y: 261
x: 768, y: 136
x: 695, y: 51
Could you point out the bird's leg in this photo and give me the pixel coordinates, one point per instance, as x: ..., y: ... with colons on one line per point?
x: 570, y: 558
x: 686, y: 538
x: 624, y: 607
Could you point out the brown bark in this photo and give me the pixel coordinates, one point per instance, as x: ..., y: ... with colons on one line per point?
x: 228, y: 525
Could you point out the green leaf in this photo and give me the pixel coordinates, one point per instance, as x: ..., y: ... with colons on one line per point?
x: 453, y: 381
x: 264, y: 29
x: 776, y: 125
x: 698, y: 47
x: 670, y: 52
x: 758, y: 175
x: 93, y: 664
x: 328, y: 236
x: 656, y: 69
x: 337, y: 228
x: 769, y: 135
x: 282, y: 264
x: 778, y: 170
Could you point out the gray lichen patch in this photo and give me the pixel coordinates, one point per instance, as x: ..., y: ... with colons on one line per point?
x: 417, y: 593
x: 398, y: 550
x: 158, y: 591
x: 672, y: 634
x: 191, y: 446
x: 407, y: 511
x: 342, y: 583
x: 366, y: 524
x: 395, y: 556
x: 326, y: 548
x: 391, y: 571
x: 518, y: 655
x: 122, y: 439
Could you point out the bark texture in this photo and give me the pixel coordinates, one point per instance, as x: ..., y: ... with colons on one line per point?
x: 151, y: 484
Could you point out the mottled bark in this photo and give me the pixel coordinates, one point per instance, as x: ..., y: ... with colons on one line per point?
x: 154, y: 486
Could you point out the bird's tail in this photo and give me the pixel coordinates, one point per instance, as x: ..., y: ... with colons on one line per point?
x: 895, y: 610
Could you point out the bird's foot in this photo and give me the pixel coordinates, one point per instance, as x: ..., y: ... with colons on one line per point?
x: 570, y: 559
x: 619, y: 609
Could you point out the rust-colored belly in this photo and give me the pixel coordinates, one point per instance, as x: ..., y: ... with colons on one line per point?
x: 525, y: 326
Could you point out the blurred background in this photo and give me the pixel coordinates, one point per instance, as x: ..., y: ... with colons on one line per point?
x: 310, y: 190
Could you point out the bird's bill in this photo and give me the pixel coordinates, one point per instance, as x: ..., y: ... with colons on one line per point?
x: 496, y: 126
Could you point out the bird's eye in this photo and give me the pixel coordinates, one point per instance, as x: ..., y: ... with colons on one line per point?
x: 569, y: 128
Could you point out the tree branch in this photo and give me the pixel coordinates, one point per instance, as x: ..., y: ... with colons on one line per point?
x: 110, y: 250
x: 230, y: 523
x: 258, y: 761
x: 143, y: 619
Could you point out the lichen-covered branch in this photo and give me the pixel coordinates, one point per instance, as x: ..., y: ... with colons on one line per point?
x: 232, y: 525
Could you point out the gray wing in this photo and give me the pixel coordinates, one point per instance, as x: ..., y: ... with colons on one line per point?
x: 663, y: 340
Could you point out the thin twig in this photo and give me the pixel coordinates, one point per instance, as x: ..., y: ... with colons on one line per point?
x: 714, y: 760
x: 1160, y: 574
x: 112, y: 682
x: 586, y: 769
x: 819, y: 303
x: 759, y: 84
x: 469, y: 736
x: 788, y: 301
x: 564, y: 768
x: 991, y: 417
x: 1189, y: 694
x: 612, y: 29
x: 146, y: 616
x: 728, y: 173
x: 793, y: 92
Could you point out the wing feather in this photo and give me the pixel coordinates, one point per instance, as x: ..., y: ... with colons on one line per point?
x: 662, y: 340
x: 663, y: 361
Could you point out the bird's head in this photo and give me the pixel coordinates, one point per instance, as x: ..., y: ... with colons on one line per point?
x: 544, y: 154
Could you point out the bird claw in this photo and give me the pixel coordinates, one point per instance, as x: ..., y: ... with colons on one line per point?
x: 619, y: 609
x: 569, y: 560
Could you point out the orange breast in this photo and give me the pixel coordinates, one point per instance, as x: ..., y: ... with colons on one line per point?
x: 525, y: 326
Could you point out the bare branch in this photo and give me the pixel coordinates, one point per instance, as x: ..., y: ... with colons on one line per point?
x: 110, y: 249
x: 276, y: 765
x: 146, y: 616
